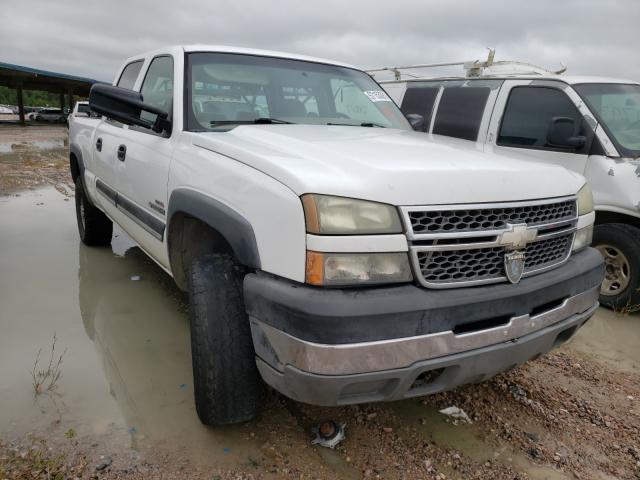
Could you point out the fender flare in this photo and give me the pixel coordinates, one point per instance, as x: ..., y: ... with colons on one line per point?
x: 235, y: 229
x: 77, y: 153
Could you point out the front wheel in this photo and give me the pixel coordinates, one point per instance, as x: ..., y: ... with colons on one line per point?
x: 619, y: 244
x: 227, y: 384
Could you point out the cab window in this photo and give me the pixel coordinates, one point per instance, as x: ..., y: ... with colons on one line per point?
x: 129, y: 75
x: 157, y: 87
x: 460, y: 111
x: 420, y: 100
x: 529, y: 113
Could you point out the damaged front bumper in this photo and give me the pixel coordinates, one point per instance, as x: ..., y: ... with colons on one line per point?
x: 335, y: 347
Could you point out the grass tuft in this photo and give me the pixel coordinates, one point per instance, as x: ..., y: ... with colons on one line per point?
x: 46, y: 380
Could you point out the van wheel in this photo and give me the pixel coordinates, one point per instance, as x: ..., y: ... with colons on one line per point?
x: 228, y: 387
x: 94, y: 227
x: 620, y: 247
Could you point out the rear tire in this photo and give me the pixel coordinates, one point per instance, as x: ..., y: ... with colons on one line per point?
x: 227, y: 384
x: 94, y: 226
x: 620, y: 245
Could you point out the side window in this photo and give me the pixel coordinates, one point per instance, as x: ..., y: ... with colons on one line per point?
x: 157, y: 87
x: 420, y: 100
x: 460, y: 112
x: 129, y: 74
x: 528, y: 114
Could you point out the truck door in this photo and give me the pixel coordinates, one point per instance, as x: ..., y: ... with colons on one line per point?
x: 143, y: 163
x: 522, y: 119
x: 104, y: 145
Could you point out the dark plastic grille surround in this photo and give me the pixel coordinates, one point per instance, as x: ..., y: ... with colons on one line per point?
x: 488, y: 263
x: 477, y: 220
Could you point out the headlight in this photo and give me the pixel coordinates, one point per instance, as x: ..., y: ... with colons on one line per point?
x: 327, y: 215
x: 583, y: 238
x: 585, y: 200
x: 333, y: 269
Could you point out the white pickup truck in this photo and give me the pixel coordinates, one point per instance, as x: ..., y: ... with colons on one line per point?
x: 327, y: 248
x: 590, y: 125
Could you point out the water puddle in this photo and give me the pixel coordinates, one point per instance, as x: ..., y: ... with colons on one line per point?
x: 33, y: 145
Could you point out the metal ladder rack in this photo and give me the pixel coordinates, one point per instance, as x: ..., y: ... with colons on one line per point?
x: 473, y: 68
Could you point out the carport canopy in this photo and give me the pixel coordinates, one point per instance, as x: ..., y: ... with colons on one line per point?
x: 22, y: 78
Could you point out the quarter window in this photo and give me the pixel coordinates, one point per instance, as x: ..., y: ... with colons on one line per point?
x: 528, y: 115
x: 129, y: 75
x: 157, y: 87
x: 460, y: 112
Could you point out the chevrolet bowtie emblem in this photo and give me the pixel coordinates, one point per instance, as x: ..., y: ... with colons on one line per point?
x: 517, y: 236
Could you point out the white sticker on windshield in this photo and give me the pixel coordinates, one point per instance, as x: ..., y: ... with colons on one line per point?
x: 377, y: 96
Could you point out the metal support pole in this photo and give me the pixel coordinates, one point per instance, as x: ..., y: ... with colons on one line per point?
x: 20, y: 104
x: 62, y: 102
x: 71, y: 100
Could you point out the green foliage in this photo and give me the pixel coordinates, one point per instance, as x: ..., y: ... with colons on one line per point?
x: 31, y: 98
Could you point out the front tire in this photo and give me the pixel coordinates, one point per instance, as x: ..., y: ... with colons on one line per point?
x: 94, y: 226
x: 227, y: 384
x: 620, y: 246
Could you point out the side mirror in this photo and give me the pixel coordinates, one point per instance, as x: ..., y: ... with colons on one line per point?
x: 126, y: 106
x: 416, y: 120
x: 563, y: 133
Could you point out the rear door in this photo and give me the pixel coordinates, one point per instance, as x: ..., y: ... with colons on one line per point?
x: 104, y: 147
x: 522, y: 116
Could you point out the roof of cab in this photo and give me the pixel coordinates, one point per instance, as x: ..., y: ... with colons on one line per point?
x: 239, y: 50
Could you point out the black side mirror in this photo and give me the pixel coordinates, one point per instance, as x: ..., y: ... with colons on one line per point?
x: 416, y: 120
x: 126, y: 106
x: 563, y: 133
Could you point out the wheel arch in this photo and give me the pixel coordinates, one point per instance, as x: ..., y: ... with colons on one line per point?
x: 198, y: 224
x: 609, y: 216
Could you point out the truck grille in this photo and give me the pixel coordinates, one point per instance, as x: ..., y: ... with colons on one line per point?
x: 462, y: 245
x: 480, y: 264
x: 479, y: 219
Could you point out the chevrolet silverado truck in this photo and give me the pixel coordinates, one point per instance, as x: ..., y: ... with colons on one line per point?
x: 328, y: 249
x: 590, y: 125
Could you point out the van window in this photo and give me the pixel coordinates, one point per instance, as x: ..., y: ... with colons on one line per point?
x: 420, y: 100
x: 129, y: 75
x: 460, y: 112
x: 157, y: 87
x: 528, y: 114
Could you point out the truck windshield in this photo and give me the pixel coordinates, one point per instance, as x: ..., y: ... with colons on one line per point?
x: 617, y: 107
x: 225, y: 90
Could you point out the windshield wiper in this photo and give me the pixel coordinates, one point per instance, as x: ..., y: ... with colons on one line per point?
x: 363, y: 124
x: 260, y: 120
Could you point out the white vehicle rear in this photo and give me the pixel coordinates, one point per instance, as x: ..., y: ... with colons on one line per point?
x: 589, y: 125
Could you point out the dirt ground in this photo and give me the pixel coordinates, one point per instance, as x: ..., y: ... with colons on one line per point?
x: 123, y: 405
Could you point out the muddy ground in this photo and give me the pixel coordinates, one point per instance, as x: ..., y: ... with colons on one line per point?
x: 123, y: 405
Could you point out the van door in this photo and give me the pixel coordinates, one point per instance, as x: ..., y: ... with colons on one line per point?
x: 522, y: 117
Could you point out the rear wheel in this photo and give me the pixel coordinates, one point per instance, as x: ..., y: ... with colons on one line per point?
x: 619, y: 244
x: 94, y: 226
x: 228, y: 387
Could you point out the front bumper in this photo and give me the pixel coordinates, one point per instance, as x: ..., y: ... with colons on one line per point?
x: 332, y: 347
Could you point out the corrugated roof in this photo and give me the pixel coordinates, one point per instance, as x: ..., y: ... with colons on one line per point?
x: 45, y: 73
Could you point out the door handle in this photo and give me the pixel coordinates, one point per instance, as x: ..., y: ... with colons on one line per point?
x: 122, y: 152
x: 99, y: 144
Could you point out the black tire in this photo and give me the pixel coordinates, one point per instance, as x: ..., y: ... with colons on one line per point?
x: 227, y: 384
x: 625, y: 239
x: 94, y: 227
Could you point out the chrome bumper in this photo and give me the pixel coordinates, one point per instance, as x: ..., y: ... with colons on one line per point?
x: 366, y: 357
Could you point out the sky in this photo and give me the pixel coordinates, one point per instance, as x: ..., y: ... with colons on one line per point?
x: 92, y: 38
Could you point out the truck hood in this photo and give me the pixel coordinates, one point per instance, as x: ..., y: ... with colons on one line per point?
x: 387, y: 165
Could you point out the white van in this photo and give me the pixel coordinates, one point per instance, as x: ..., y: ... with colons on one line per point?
x: 587, y: 124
